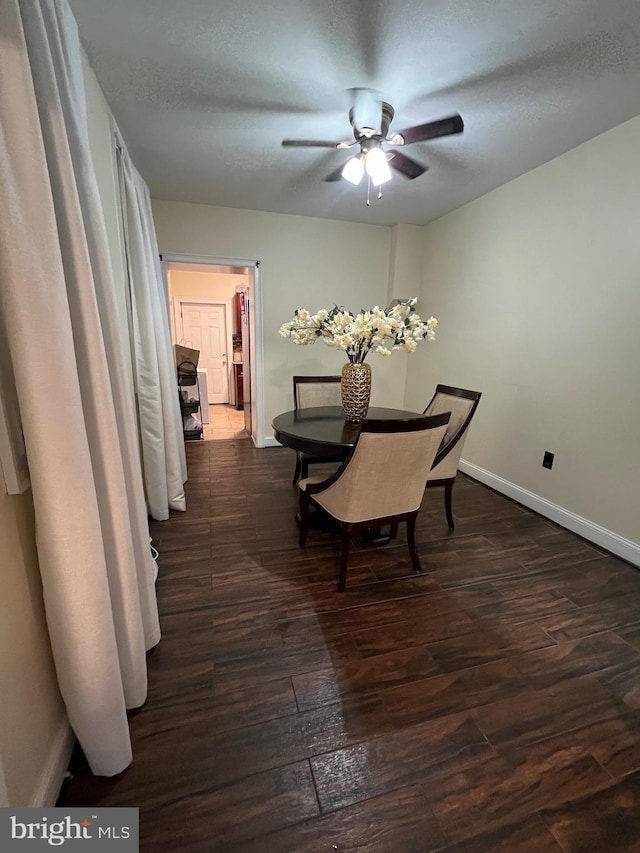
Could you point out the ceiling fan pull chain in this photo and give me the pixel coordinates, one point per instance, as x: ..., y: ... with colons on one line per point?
x: 368, y: 190
x: 380, y: 191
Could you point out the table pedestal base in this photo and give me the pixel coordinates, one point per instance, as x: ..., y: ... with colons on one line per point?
x: 376, y: 537
x: 318, y: 520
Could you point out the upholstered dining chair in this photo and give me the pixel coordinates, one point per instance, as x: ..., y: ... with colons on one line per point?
x: 381, y: 482
x: 462, y: 404
x: 313, y: 391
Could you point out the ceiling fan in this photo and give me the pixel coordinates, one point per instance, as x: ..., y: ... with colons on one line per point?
x: 370, y: 118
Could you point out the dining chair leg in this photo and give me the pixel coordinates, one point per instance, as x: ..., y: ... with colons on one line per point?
x: 344, y: 558
x: 296, y: 475
x: 411, y: 542
x: 448, y: 493
x: 304, y: 518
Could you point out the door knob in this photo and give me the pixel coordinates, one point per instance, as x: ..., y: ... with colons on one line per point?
x: 224, y: 358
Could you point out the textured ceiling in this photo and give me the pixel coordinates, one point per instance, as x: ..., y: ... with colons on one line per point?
x: 205, y: 91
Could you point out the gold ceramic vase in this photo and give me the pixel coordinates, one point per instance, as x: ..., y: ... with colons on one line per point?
x: 356, y: 390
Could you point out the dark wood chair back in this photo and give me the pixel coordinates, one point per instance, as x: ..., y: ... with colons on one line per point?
x: 316, y: 391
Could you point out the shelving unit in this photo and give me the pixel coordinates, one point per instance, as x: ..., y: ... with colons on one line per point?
x: 239, y: 380
x: 188, y: 378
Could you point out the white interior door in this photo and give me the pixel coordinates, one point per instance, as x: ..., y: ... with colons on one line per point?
x: 204, y: 327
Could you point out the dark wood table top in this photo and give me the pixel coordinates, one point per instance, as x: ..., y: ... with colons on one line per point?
x: 323, y: 431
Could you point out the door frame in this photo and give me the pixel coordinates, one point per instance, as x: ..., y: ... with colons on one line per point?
x: 179, y: 301
x: 256, y: 341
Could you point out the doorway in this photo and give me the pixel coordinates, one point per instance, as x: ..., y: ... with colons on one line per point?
x: 214, y: 307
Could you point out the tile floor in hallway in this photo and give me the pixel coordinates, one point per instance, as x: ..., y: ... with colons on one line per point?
x: 225, y: 422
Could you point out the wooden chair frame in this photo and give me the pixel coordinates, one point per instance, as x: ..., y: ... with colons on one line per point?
x: 303, y: 460
x: 446, y: 449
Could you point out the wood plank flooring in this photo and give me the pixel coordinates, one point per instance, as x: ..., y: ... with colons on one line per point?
x: 490, y: 704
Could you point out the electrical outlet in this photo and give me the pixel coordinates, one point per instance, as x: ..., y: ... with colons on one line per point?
x: 547, y: 461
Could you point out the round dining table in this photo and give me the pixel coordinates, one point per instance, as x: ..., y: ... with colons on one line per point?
x: 323, y: 431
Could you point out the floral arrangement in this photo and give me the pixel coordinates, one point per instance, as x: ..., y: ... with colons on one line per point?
x: 380, y: 330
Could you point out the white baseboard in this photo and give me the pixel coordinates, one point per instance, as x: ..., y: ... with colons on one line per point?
x: 270, y: 441
x: 618, y: 545
x: 52, y: 775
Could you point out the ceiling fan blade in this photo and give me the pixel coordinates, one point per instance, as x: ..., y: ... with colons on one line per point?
x: 432, y: 129
x: 308, y: 143
x: 336, y: 175
x: 405, y: 165
x: 367, y: 109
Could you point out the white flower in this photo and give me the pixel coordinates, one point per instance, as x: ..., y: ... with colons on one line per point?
x: 380, y: 330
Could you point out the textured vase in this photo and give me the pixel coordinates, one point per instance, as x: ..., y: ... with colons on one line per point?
x: 356, y: 390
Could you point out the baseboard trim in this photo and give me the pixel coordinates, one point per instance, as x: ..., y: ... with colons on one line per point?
x: 52, y: 776
x: 270, y: 441
x: 618, y: 545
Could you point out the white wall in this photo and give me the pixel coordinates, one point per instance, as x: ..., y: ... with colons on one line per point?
x: 536, y: 287
x: 304, y: 262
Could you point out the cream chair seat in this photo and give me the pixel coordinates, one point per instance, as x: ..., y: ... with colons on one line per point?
x: 381, y: 482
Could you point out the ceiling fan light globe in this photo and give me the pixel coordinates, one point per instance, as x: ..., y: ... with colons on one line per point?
x: 353, y: 170
x: 377, y: 166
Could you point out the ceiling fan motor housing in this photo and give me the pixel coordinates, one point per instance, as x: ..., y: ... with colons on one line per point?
x: 386, y: 117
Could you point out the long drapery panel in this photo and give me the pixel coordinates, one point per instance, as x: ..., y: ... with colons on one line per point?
x: 59, y: 312
x: 161, y: 435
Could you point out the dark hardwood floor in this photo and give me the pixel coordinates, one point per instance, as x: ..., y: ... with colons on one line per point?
x: 490, y: 704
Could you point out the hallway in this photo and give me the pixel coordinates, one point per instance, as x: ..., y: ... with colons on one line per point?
x: 225, y: 422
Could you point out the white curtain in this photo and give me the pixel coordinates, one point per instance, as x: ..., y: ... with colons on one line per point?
x: 161, y: 435
x: 78, y: 415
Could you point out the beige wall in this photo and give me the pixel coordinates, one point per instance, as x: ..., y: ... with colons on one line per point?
x: 406, y: 262
x: 536, y: 289
x: 32, y: 716
x: 204, y: 285
x: 201, y: 285
x: 304, y: 262
x: 405, y: 276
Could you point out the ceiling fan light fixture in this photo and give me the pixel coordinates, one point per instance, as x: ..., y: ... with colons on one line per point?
x: 377, y: 166
x: 354, y: 170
